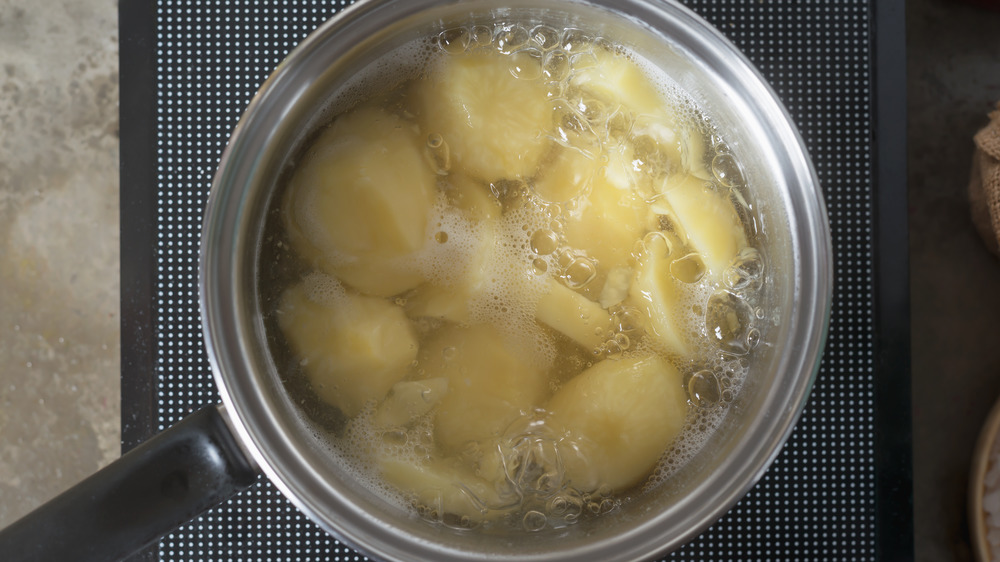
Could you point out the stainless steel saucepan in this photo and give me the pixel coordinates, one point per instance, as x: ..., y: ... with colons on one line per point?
x: 258, y: 429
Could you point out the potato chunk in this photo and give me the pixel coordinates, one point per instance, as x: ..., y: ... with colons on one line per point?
x: 472, y: 197
x: 709, y: 219
x: 353, y: 348
x: 473, y: 269
x: 566, y: 176
x: 618, y: 82
x: 495, y: 125
x: 360, y: 200
x: 490, y: 382
x: 443, y: 487
x: 408, y: 400
x: 608, y: 223
x: 658, y: 294
x: 574, y: 315
x: 622, y: 415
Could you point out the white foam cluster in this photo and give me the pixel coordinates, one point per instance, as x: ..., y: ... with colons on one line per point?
x: 323, y: 288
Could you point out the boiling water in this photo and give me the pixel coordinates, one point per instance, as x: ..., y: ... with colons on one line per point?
x: 523, y: 228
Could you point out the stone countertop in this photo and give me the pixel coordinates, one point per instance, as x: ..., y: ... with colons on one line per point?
x: 59, y: 311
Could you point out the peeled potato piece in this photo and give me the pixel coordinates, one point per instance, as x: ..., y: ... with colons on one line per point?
x: 617, y: 81
x: 444, y: 487
x: 494, y: 124
x: 607, y: 224
x: 657, y: 294
x: 359, y: 201
x: 408, y: 400
x: 490, y: 383
x: 472, y: 197
x: 566, y: 176
x: 353, y: 348
x: 473, y: 269
x: 621, y: 414
x: 709, y: 219
x: 574, y: 315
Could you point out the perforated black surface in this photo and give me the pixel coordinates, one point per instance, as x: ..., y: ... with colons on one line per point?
x: 818, y: 501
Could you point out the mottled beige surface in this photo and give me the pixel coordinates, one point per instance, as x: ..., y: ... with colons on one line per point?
x: 59, y: 290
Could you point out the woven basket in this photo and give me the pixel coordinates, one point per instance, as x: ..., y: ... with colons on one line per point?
x: 984, y: 183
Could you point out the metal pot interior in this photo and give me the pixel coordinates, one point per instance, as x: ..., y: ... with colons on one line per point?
x: 309, y: 87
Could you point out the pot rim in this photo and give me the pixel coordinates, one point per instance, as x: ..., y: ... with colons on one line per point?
x: 229, y: 328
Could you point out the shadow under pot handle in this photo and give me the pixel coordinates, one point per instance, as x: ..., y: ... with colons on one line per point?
x: 151, y: 490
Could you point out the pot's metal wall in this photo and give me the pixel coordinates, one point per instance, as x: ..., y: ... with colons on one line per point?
x: 819, y: 499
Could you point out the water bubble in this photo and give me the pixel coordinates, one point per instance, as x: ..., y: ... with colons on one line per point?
x: 580, y: 61
x: 656, y: 244
x: 728, y: 320
x: 626, y: 319
x: 704, y: 389
x: 510, y: 38
x: 556, y: 66
x: 577, y: 41
x: 727, y: 170
x: 565, y: 257
x: 622, y: 340
x: 572, y: 130
x: 526, y: 64
x: 580, y: 272
x: 454, y: 41
x: 619, y: 126
x: 441, y: 237
x: 688, y: 269
x: 438, y: 154
x: 544, y: 242
x: 539, y: 266
x: 753, y: 338
x: 594, y: 110
x: 534, y: 521
x: 545, y: 37
x: 650, y: 157
x: 480, y: 36
x: 612, y: 350
x: 558, y: 505
x: 746, y: 269
x: 508, y: 191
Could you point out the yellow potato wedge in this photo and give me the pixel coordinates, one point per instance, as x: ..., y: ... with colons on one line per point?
x: 360, y: 199
x: 490, y: 383
x: 574, y: 315
x: 566, y: 176
x: 441, y: 488
x: 617, y: 81
x: 621, y: 414
x: 353, y: 348
x: 452, y: 301
x: 658, y: 295
x: 408, y: 400
x: 713, y: 228
x: 496, y: 126
x: 607, y: 224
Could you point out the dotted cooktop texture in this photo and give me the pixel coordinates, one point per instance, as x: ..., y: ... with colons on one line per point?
x: 817, y: 500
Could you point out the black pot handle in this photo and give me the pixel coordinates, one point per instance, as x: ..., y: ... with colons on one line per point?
x: 149, y: 491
